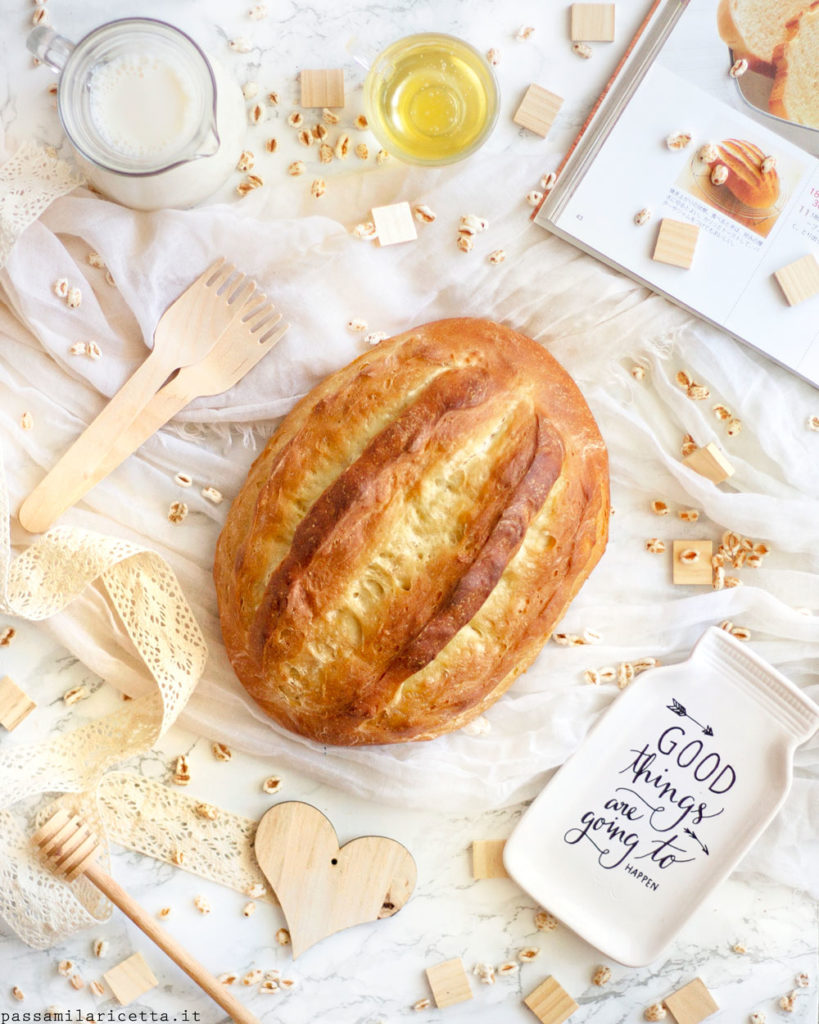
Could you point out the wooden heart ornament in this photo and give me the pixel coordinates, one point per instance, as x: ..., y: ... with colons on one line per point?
x: 322, y: 888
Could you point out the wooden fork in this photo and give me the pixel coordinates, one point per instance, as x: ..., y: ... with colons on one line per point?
x: 237, y: 351
x: 186, y: 332
x: 70, y: 849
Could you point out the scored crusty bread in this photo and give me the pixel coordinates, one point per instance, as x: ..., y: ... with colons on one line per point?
x: 754, y: 28
x: 746, y: 178
x: 795, y: 92
x: 407, y: 540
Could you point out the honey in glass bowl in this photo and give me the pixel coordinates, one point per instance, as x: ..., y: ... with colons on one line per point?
x: 431, y: 99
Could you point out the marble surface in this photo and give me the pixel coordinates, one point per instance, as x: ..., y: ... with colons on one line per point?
x: 373, y: 973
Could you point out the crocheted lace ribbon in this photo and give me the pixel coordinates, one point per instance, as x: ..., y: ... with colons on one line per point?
x: 29, y: 182
x: 146, y: 595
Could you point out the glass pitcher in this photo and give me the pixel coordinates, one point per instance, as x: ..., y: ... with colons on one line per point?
x: 154, y: 123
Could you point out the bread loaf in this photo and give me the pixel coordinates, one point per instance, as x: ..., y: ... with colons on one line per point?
x: 746, y: 179
x: 795, y: 92
x: 754, y: 28
x: 410, y: 535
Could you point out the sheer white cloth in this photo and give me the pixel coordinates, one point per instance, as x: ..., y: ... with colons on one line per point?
x: 595, y: 321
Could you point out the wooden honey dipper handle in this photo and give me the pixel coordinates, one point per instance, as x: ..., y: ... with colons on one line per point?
x: 70, y: 849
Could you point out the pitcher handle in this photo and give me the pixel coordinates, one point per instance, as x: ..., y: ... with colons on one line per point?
x: 49, y: 47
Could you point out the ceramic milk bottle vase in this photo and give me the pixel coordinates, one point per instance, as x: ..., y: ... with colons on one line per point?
x: 154, y: 123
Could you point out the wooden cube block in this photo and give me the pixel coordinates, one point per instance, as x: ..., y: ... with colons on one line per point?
x: 394, y: 223
x: 550, y: 1003
x: 130, y: 979
x: 15, y: 704
x: 697, y: 572
x: 449, y: 982
x: 676, y: 243
x: 322, y: 88
x: 592, y: 23
x: 487, y: 858
x: 710, y: 462
x: 691, y: 1003
x: 537, y: 110
x: 799, y: 280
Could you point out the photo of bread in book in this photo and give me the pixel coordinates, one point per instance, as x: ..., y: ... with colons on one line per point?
x: 738, y: 178
x: 779, y: 40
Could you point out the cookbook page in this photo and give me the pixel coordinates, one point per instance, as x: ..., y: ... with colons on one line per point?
x: 748, y: 227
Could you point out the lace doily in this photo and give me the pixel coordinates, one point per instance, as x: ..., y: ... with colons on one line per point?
x: 29, y: 182
x: 147, y: 597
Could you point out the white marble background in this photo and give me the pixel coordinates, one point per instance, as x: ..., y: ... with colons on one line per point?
x: 369, y: 974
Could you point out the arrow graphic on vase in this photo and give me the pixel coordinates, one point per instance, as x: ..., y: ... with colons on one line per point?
x: 678, y: 709
x: 696, y: 838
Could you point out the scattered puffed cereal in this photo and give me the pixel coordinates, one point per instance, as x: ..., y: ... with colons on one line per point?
x: 738, y: 68
x: 65, y: 967
x: 678, y: 140
x: 78, y: 349
x: 252, y: 977
x: 7, y: 635
x: 423, y: 214
x: 802, y: 980
x: 655, y: 545
x: 181, y: 772
x: 497, y: 256
x: 26, y: 421
x: 582, y: 50
x: 255, y: 891
x: 655, y: 1012
x: 272, y: 784
x: 362, y: 151
x: 17, y: 992
x: 221, y: 752
x: 734, y: 427
x: 470, y: 224
x: 466, y: 243
x: 508, y: 967
x: 326, y: 154
x: 356, y: 324
x: 76, y: 982
x: 165, y: 912
x: 788, y: 1002
x: 382, y: 156
x: 249, y: 909
x: 374, y: 337
x: 271, y: 145
x: 319, y: 132
x: 95, y: 260
x: 250, y: 89
x: 268, y: 986
x: 485, y: 972
x: 719, y: 174
x: 318, y: 187
x: 305, y: 137
x: 659, y: 508
x: 177, y: 511
x: 533, y: 197
x: 364, y: 231
x: 202, y: 904
x: 246, y: 161
x: 343, y: 144
x: 283, y: 937
x: 813, y: 423
x: 638, y: 372
x: 60, y: 287
x: 689, y: 515
x: 74, y: 298
x: 548, y: 181
x: 642, y: 216
x: 273, y: 99
x: 240, y: 45
x: 100, y: 947
x: 545, y: 922
x: 213, y: 495
x: 361, y: 123
x: 93, y: 351
x: 525, y: 32
x: 601, y: 976
x: 74, y: 695
x: 207, y: 811
x: 295, y: 119
x: 228, y: 978
x: 739, y: 947
x: 329, y: 116
x: 422, y: 1004
x: 257, y: 12
x: 528, y: 953
x: 493, y: 56
x: 758, y: 1017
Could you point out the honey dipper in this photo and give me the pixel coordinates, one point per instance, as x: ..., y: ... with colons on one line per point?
x: 70, y: 850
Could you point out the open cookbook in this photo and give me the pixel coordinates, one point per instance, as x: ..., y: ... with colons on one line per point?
x: 706, y: 141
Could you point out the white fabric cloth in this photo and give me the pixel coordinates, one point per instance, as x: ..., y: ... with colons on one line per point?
x: 595, y: 321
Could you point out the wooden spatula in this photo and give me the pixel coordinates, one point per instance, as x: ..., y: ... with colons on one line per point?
x: 70, y: 849
x: 186, y: 332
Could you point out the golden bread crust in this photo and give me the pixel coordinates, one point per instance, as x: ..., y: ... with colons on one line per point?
x: 778, y: 102
x: 746, y: 179
x: 410, y: 535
